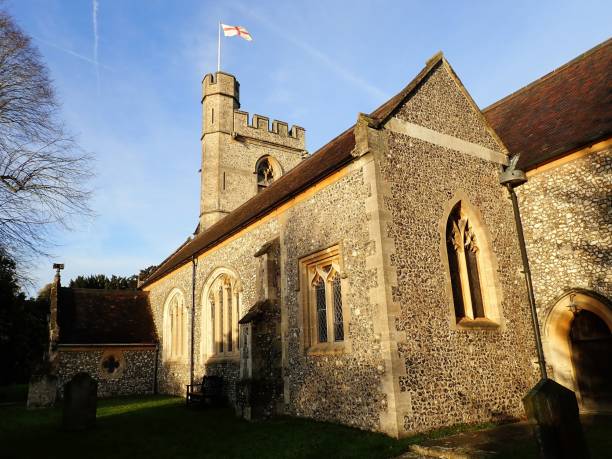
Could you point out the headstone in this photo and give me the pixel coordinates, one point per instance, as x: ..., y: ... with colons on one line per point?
x: 553, y: 412
x: 80, y: 400
x: 42, y: 391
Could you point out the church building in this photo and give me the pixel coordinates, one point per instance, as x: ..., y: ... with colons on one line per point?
x: 377, y: 282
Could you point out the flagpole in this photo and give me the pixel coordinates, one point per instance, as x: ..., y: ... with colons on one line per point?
x: 219, y: 49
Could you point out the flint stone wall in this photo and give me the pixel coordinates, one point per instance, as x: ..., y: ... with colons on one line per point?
x: 343, y: 388
x: 134, y: 376
x: 567, y: 215
x: 452, y: 375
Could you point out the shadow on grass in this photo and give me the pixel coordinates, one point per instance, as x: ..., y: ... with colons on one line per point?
x: 162, y: 427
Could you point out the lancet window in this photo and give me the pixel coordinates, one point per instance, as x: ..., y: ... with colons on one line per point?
x: 175, y: 327
x: 466, y: 266
x: 221, y: 327
x: 324, y: 312
x: 266, y: 173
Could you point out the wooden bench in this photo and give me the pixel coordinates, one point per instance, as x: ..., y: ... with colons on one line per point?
x: 209, y: 392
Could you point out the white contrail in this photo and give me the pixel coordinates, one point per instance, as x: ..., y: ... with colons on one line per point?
x: 72, y: 53
x: 342, y: 71
x: 95, y: 32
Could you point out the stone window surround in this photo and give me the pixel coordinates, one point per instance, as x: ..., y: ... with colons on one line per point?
x: 277, y: 170
x: 117, y: 354
x: 331, y: 255
x: 170, y: 338
x: 209, y: 351
x: 487, y: 264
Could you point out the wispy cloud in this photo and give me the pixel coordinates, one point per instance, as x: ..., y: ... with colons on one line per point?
x: 95, y: 49
x: 323, y: 58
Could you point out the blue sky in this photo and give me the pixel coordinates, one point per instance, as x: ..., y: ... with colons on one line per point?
x: 311, y: 63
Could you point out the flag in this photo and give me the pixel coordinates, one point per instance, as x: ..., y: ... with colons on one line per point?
x: 230, y: 31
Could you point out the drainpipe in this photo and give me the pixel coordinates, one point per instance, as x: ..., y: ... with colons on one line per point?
x: 194, y: 264
x: 510, y: 178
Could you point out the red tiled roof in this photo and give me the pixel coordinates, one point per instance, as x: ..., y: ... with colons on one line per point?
x: 567, y: 109
x: 96, y: 316
x: 319, y: 165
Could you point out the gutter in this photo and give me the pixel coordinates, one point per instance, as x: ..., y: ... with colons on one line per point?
x: 262, y: 213
x: 68, y: 345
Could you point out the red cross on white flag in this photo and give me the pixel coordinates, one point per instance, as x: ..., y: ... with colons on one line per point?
x: 230, y: 31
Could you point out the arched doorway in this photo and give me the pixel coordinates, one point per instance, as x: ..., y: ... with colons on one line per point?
x: 578, y: 345
x: 591, y: 340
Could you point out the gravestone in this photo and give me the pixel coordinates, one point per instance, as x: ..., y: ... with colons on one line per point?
x: 553, y: 413
x: 42, y: 391
x: 80, y: 400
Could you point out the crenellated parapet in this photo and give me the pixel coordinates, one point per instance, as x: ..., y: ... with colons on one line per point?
x: 234, y: 143
x: 259, y: 129
x: 221, y: 83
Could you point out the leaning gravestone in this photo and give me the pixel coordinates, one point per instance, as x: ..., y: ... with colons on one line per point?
x: 80, y: 400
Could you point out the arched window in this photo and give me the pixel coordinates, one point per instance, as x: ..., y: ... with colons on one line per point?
x: 267, y: 170
x: 469, y: 263
x: 220, y: 327
x: 325, y: 318
x: 175, y: 334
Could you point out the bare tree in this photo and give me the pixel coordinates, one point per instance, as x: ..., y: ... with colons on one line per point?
x: 43, y: 172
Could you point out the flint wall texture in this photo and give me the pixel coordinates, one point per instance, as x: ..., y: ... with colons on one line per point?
x: 343, y: 388
x: 453, y: 375
x: 135, y: 374
x: 567, y: 215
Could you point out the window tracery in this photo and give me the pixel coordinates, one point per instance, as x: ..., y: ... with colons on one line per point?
x: 175, y: 327
x: 221, y: 329
x: 266, y: 173
x: 324, y: 311
x: 469, y: 271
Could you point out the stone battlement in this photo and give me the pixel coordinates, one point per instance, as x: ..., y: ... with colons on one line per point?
x: 221, y: 83
x: 259, y: 128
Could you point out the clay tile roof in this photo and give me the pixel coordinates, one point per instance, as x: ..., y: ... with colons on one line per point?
x: 95, y: 316
x: 316, y: 167
x: 567, y: 109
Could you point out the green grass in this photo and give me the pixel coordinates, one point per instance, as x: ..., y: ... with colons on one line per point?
x: 13, y: 393
x: 154, y: 427
x: 161, y: 427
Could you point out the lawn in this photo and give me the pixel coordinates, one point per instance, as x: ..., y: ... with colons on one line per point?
x: 161, y: 427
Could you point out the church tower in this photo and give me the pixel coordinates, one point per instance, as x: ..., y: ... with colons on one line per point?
x: 239, y: 159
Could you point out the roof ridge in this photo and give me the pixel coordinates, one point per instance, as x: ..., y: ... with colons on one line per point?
x: 381, y: 113
x: 550, y: 74
x: 384, y: 111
